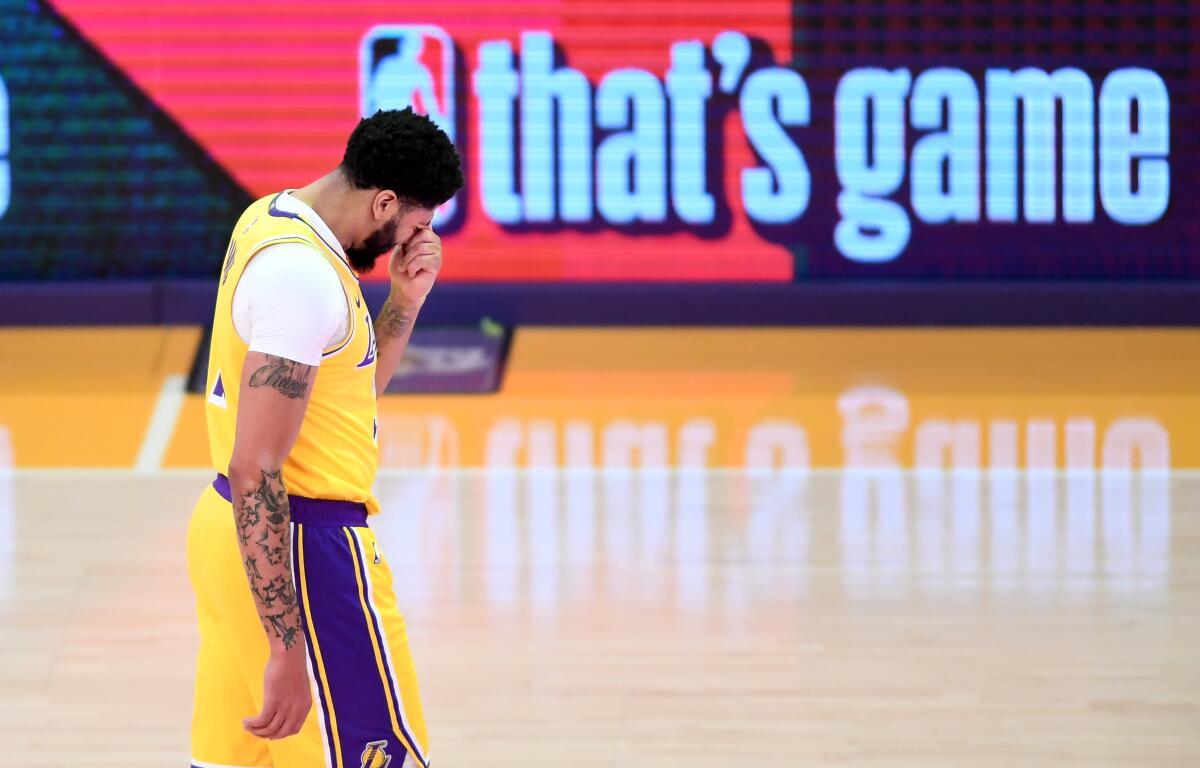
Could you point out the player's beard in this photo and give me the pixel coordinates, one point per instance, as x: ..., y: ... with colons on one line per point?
x: 379, y: 242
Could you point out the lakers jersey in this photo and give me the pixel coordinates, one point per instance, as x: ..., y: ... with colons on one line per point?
x: 335, y: 455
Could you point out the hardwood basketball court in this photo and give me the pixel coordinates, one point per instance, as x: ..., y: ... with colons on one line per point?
x: 775, y: 625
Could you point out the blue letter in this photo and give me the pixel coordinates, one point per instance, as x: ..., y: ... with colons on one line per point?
x: 779, y: 193
x: 1038, y: 91
x: 495, y: 89
x: 688, y: 86
x: 1123, y: 149
x: 541, y: 86
x: 870, y: 164
x: 957, y: 147
x: 631, y: 166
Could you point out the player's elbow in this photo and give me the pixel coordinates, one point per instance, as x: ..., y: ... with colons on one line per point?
x: 248, y: 468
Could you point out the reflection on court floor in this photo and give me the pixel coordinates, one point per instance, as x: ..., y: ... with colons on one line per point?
x: 8, y: 532
x: 548, y: 539
x: 875, y: 431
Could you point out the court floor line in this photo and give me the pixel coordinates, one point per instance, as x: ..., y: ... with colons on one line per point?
x: 162, y: 424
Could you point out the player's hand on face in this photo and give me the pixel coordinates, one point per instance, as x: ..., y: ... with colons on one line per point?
x: 414, y: 266
x: 287, y: 696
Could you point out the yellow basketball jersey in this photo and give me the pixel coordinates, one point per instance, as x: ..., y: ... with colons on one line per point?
x: 336, y: 455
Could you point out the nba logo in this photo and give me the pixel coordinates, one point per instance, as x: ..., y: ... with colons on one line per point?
x: 410, y: 65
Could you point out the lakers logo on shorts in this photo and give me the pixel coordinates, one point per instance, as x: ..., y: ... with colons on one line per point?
x: 374, y: 756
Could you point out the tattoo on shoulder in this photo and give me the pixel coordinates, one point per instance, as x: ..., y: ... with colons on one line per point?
x: 287, y: 377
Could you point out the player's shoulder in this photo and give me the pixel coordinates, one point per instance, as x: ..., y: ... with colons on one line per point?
x: 293, y: 264
x: 256, y: 209
x: 293, y: 276
x: 254, y: 214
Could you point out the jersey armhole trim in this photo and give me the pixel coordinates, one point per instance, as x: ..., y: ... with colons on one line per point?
x: 350, y: 325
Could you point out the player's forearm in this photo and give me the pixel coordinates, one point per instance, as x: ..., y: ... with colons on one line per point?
x: 263, y: 522
x: 393, y: 328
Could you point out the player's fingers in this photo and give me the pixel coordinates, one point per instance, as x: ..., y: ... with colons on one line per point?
x: 415, y: 252
x: 397, y: 261
x: 273, y: 730
x: 288, y: 728
x: 265, y: 723
x: 294, y: 720
x: 293, y: 725
x: 424, y: 263
x: 418, y: 240
x: 263, y: 733
x: 429, y: 260
x: 262, y: 718
x: 425, y: 235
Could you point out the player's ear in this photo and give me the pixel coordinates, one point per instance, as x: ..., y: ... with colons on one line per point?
x: 385, y: 204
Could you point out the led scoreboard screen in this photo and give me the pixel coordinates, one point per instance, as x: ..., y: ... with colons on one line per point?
x: 679, y: 140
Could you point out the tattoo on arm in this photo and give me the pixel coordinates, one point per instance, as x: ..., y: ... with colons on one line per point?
x: 262, y: 516
x: 287, y: 377
x: 392, y: 321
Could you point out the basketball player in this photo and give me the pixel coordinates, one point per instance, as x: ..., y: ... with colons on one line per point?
x: 303, y: 656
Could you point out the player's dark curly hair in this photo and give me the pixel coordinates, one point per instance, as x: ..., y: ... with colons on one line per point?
x: 405, y: 152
